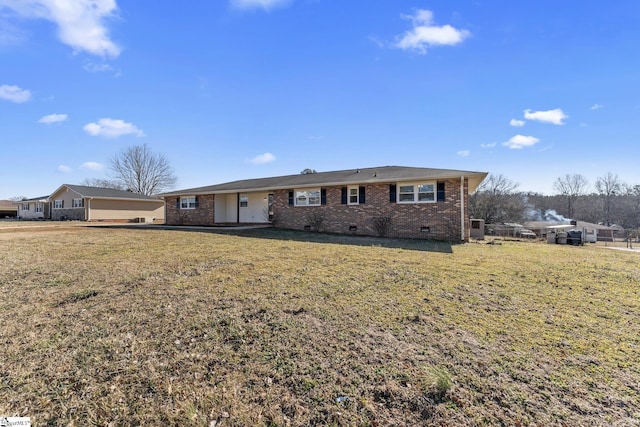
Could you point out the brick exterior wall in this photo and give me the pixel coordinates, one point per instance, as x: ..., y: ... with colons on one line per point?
x: 203, y: 215
x: 438, y: 221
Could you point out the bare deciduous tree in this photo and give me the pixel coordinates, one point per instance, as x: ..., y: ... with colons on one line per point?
x: 571, y: 186
x: 102, y: 183
x: 495, y: 201
x: 608, y: 187
x: 141, y: 171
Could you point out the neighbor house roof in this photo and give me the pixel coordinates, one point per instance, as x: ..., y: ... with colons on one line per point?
x: 105, y: 193
x: 34, y: 199
x: 343, y: 177
x: 539, y: 225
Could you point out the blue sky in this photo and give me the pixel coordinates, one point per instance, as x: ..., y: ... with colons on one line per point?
x: 234, y: 89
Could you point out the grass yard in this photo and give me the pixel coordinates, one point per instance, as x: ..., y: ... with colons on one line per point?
x: 115, y: 326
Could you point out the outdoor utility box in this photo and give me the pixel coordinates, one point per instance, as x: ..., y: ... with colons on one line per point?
x: 477, y: 229
x: 551, y: 237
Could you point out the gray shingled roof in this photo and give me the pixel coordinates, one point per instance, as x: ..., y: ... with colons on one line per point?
x: 344, y: 177
x: 107, y: 193
x: 33, y: 199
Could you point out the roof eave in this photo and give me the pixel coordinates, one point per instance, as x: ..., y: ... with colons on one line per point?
x: 473, y: 184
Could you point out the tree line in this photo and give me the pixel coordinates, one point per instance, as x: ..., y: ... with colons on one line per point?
x: 609, y: 201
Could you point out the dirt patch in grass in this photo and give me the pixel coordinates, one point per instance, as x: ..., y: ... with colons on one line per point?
x: 148, y: 327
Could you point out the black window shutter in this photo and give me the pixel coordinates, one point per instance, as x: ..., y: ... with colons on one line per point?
x: 441, y: 195
x: 63, y: 203
x: 343, y: 198
x: 392, y: 193
x: 197, y: 203
x: 178, y: 203
x: 291, y: 198
x: 361, y: 197
x: 323, y: 196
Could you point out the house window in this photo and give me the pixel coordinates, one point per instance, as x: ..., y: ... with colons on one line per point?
x: 39, y: 208
x: 417, y: 193
x: 25, y: 206
x: 426, y: 193
x: 190, y: 202
x: 353, y: 196
x: 58, y: 204
x: 244, y: 201
x: 308, y: 197
x: 77, y: 203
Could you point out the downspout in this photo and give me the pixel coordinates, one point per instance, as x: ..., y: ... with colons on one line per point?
x: 462, y: 229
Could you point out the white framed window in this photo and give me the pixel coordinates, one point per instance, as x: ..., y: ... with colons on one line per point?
x: 58, y: 204
x: 309, y: 197
x: 423, y: 192
x: 353, y: 196
x: 39, y: 208
x: 190, y: 202
x: 77, y: 203
x: 25, y: 206
x: 244, y: 201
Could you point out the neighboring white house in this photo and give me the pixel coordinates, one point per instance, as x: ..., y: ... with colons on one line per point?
x: 36, y: 208
x: 83, y: 203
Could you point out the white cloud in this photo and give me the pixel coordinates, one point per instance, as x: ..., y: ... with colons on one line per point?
x: 259, y: 4
x: 424, y: 34
x: 519, y: 142
x: 81, y: 23
x: 555, y: 117
x: 92, y: 67
x: 597, y: 106
x: 53, y: 118
x: 464, y: 153
x: 14, y: 94
x: 93, y: 166
x: 517, y: 123
x: 262, y: 159
x: 112, y: 128
x: 64, y: 169
x: 490, y: 145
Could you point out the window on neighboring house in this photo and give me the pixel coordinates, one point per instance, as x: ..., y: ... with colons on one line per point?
x: 58, y: 204
x: 77, y: 203
x: 39, y: 208
x: 417, y: 193
x: 244, y: 201
x: 190, y: 202
x: 25, y: 206
x: 309, y: 197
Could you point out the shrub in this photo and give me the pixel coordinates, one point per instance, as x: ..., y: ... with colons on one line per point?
x: 382, y: 224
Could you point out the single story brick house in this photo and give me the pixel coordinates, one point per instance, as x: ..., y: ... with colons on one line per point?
x: 36, y: 208
x: 79, y: 202
x: 393, y: 201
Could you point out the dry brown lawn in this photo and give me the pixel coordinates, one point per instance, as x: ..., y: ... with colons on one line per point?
x: 115, y: 326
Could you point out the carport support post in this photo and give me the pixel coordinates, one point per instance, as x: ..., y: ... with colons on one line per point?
x: 237, y: 208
